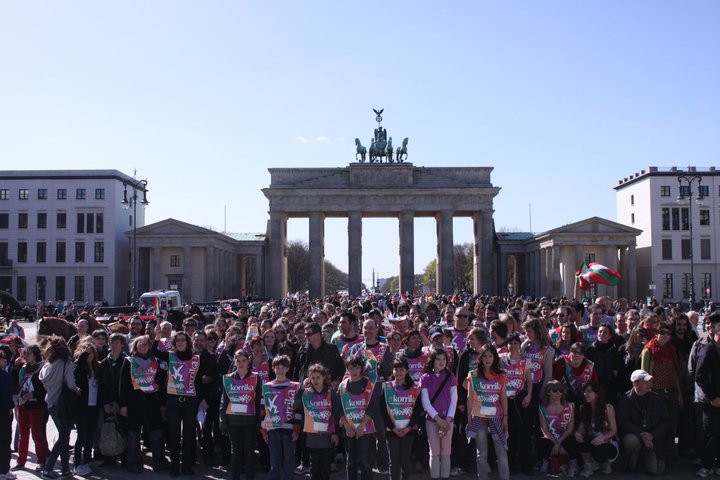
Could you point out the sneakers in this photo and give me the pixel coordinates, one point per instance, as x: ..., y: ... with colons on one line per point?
x: 83, y: 470
x: 587, y: 471
x: 302, y: 469
x: 457, y: 472
x: 606, y: 468
x: 544, y: 467
x: 573, y: 469
x: 51, y: 474
x: 378, y: 470
x: 67, y: 474
x: 704, y: 472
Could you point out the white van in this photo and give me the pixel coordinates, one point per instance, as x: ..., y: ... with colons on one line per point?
x: 159, y: 302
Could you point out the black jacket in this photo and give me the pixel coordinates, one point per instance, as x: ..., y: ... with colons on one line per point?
x: 707, y: 376
x: 109, y: 380
x: 632, y: 418
x: 326, y: 354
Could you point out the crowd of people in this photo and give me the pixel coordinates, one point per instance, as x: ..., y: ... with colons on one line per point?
x: 555, y: 386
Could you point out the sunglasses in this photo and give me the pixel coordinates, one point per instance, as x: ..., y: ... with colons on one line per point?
x: 555, y: 390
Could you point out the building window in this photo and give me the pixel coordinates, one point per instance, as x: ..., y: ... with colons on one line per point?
x: 41, y: 252
x: 60, y: 252
x: 685, y: 219
x: 79, y: 252
x: 666, y: 219
x: 98, y: 288
x: 684, y: 190
x: 61, y: 220
x: 99, y: 252
x: 4, y: 220
x: 90, y: 223
x: 130, y: 222
x: 22, y: 252
x: 79, y: 194
x: 42, y: 193
x: 5, y: 254
x: 704, y: 216
x: 667, y: 249
x: 632, y: 199
x: 22, y: 289
x: 62, y: 193
x: 99, y: 222
x: 6, y: 283
x: 80, y: 223
x: 24, y: 194
x: 42, y: 220
x: 632, y: 219
x: 4, y: 194
x: 60, y: 288
x: 707, y: 285
x: 664, y: 190
x: 79, y: 289
x: 22, y: 220
x: 174, y: 260
x: 704, y: 249
x: 667, y: 286
x: 589, y: 257
x: 704, y: 191
x: 686, y: 285
x: 99, y: 194
x: 685, y: 246
x: 40, y: 285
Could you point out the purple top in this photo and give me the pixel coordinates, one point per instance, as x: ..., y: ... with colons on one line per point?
x: 431, y: 382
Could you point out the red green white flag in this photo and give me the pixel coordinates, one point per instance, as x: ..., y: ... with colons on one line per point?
x: 594, y: 273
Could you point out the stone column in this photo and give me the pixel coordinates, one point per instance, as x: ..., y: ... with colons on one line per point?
x: 611, y: 259
x: 317, y: 254
x: 277, y: 256
x: 445, y: 272
x: 355, y: 253
x: 632, y: 273
x: 187, y: 275
x: 503, y: 273
x: 407, y: 252
x: 210, y: 274
x: 555, y: 271
x: 543, y: 283
x: 242, y: 275
x: 156, y: 268
x: 260, y: 285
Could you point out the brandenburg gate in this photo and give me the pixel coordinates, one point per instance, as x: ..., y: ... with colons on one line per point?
x: 393, y: 188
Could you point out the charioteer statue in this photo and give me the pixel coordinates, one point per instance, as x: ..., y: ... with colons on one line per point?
x: 381, y: 146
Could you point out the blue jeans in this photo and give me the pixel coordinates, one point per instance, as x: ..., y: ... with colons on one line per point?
x: 282, y: 454
x: 358, y: 455
x: 62, y: 446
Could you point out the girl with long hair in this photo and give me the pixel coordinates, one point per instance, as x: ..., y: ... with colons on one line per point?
x: 403, y: 414
x: 488, y: 411
x: 140, y: 381
x: 86, y: 378
x: 438, y: 390
x: 32, y: 409
x: 557, y: 423
x: 240, y: 413
x: 596, y: 431
x: 318, y: 405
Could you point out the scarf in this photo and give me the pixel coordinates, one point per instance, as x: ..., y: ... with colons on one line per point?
x: 662, y: 353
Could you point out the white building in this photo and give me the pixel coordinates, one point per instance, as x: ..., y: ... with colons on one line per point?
x: 669, y: 213
x: 62, y: 235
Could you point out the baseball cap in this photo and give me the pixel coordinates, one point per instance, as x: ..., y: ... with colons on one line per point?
x: 435, y: 331
x: 640, y: 375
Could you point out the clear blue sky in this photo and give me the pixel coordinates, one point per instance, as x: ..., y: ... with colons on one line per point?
x: 563, y: 98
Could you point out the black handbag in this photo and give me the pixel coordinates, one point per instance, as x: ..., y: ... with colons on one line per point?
x: 67, y: 403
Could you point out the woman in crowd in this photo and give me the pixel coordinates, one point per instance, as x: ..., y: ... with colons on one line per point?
x: 86, y: 378
x: 438, y: 390
x: 240, y: 413
x: 575, y: 371
x: 596, y: 432
x: 557, y: 424
x: 32, y: 409
x: 57, y: 371
x: 415, y: 355
x: 629, y: 354
x: 606, y: 360
x: 659, y: 358
x: 568, y: 335
x: 140, y: 402
x: 403, y: 413
x: 181, y: 401
x: 519, y: 393
x: 487, y: 408
x: 320, y: 411
x: 358, y: 397
x: 270, y: 343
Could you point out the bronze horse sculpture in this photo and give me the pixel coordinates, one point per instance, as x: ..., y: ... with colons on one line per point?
x: 401, y: 153
x: 360, y: 151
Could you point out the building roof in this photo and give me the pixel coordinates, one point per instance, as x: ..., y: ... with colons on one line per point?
x: 664, y: 172
x: 246, y: 237
x: 64, y: 174
x: 515, y: 236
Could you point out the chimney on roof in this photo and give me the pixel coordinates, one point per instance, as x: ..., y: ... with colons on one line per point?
x: 652, y: 169
x: 642, y: 172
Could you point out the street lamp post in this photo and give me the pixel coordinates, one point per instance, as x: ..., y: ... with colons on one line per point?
x: 126, y: 204
x: 690, y: 179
